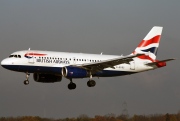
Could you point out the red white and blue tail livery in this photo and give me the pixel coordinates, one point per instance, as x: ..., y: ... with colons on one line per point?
x: 150, y: 43
x: 50, y: 66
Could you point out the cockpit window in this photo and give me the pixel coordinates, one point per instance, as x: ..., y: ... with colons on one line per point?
x: 15, y: 56
x: 11, y: 56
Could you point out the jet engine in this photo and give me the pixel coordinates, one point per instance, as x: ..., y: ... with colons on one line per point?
x: 74, y: 72
x: 46, y: 78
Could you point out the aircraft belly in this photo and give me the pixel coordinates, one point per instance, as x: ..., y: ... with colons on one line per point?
x: 34, y: 69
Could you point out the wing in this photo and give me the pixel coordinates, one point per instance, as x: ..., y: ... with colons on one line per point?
x: 110, y: 63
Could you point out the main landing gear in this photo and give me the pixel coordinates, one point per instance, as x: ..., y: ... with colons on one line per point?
x: 71, y: 85
x: 26, y: 82
x: 90, y: 83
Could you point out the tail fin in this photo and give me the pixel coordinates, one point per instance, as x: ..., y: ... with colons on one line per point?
x: 149, y: 45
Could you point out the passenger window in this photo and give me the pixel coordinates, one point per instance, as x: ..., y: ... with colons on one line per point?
x: 15, y: 56
x: 19, y: 56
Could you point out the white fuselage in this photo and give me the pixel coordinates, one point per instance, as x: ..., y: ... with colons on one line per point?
x: 35, y: 61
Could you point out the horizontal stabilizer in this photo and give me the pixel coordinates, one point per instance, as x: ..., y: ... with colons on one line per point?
x: 155, y: 63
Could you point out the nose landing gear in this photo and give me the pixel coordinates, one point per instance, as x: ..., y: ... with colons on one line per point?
x: 26, y: 82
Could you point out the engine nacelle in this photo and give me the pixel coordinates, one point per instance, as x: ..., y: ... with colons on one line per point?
x: 74, y: 72
x: 46, y: 78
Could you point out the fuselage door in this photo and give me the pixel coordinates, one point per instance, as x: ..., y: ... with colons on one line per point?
x: 132, y: 65
x: 30, y: 56
x: 74, y: 60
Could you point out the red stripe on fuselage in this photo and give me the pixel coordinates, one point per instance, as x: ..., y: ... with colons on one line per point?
x: 34, y: 54
x: 144, y: 43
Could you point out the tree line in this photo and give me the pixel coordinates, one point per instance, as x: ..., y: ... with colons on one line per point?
x: 108, y: 117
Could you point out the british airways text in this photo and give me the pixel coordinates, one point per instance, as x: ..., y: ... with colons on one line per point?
x: 52, y: 61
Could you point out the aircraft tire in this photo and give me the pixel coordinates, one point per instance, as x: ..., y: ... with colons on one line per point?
x: 91, y: 83
x: 71, y: 86
x: 26, y: 82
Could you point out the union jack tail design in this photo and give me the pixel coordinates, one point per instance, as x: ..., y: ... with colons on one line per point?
x: 149, y: 45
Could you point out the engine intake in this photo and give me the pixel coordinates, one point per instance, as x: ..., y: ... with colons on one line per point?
x: 46, y: 78
x: 74, y: 72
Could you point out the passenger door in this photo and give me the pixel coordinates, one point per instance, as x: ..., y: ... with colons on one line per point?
x: 74, y: 60
x: 132, y: 65
x: 31, y: 57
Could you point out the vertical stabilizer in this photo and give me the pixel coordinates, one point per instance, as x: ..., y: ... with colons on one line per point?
x: 149, y: 45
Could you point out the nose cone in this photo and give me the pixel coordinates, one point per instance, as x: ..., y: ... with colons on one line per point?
x: 4, y: 63
x: 9, y: 63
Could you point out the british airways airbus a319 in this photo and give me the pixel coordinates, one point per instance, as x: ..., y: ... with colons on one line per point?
x: 49, y: 66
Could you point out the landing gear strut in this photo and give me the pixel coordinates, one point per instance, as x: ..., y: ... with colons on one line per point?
x: 26, y: 82
x: 91, y: 83
x: 71, y: 85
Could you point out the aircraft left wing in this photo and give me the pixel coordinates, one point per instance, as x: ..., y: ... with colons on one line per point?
x: 110, y: 63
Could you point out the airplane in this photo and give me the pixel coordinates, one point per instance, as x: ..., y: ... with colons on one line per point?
x: 50, y: 66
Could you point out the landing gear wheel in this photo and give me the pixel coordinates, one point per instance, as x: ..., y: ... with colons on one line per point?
x: 91, y: 83
x: 71, y: 86
x: 26, y: 82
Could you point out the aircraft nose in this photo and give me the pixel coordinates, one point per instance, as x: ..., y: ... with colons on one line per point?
x: 8, y: 63
x: 5, y: 63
